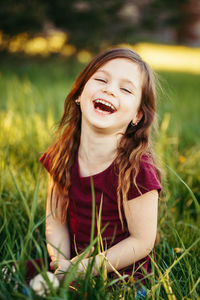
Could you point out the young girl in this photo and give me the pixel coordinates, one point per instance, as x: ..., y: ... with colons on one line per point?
x: 104, y: 133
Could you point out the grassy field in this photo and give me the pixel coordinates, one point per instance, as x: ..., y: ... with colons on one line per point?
x: 32, y: 93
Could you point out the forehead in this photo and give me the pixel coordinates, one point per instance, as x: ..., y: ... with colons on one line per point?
x: 123, y: 68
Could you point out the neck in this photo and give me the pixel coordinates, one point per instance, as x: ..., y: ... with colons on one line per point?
x: 97, y: 150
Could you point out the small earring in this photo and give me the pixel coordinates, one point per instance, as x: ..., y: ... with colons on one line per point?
x: 134, y: 124
x: 77, y: 102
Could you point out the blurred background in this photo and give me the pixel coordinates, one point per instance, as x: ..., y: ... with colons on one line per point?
x: 81, y: 28
x: 43, y: 46
x: 91, y: 24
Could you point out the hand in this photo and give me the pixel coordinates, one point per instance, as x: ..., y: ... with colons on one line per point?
x: 83, y: 264
x: 40, y: 286
x: 60, y: 267
x: 74, y: 259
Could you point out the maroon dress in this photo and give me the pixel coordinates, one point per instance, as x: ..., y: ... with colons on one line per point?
x: 105, y: 185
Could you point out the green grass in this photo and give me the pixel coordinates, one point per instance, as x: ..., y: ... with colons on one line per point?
x: 32, y: 93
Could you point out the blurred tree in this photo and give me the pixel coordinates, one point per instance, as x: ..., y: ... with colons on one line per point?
x: 89, y: 22
x: 21, y: 16
x: 188, y: 29
x: 183, y: 16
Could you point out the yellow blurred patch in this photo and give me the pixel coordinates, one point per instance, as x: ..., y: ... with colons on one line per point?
x: 160, y: 57
x: 169, y: 57
x: 178, y: 250
x: 182, y: 159
x: 37, y: 45
x: 68, y: 50
x: 165, y: 122
x: 1, y: 37
x: 84, y: 56
x: 131, y: 279
x: 56, y: 42
x: 17, y: 43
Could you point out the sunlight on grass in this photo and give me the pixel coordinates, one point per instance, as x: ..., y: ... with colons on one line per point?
x: 160, y: 57
x: 14, y: 131
x: 169, y: 57
x: 38, y: 45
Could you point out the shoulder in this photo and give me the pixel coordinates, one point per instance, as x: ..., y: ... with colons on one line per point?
x: 146, y: 168
x: 146, y: 179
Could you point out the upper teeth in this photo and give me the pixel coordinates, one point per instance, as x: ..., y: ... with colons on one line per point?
x: 105, y: 103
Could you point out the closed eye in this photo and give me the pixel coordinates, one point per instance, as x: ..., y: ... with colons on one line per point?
x: 126, y: 90
x: 100, y: 79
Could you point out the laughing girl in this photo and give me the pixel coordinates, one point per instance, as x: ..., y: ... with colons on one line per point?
x: 104, y: 133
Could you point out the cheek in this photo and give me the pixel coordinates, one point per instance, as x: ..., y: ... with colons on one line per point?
x: 87, y: 92
x: 131, y: 109
x: 131, y: 105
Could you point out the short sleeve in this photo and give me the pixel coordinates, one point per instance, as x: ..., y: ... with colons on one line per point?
x: 147, y: 179
x: 45, y: 161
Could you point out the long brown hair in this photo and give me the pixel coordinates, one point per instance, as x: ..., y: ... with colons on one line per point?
x: 134, y: 143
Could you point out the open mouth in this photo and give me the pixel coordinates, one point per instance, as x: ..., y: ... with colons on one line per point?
x: 104, y: 106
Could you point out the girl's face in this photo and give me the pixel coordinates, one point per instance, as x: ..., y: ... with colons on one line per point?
x: 111, y: 97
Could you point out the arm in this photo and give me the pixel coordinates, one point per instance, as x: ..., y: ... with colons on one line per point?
x: 57, y: 234
x: 141, y: 217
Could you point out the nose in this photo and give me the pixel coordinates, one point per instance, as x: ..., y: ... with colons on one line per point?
x: 110, y: 89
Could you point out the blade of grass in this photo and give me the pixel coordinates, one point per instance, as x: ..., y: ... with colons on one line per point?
x: 93, y: 209
x: 197, y: 205
x: 34, y: 202
x: 195, y: 286
x: 100, y: 241
x: 164, y: 277
x: 21, y: 194
x: 31, y: 219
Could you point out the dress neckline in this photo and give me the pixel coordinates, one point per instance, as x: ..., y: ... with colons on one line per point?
x: 99, y: 174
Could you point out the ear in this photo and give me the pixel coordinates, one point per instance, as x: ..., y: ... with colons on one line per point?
x: 78, y: 101
x: 137, y: 118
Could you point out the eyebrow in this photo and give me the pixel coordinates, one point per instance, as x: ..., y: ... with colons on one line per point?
x: 123, y: 79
